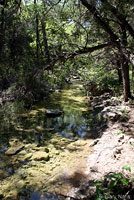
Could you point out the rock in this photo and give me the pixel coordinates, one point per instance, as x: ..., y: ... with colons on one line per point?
x: 46, y: 150
x: 40, y: 156
x: 28, y: 156
x: 58, y: 90
x: 110, y: 113
x: 94, y: 169
x: 13, y: 150
x: 49, y: 129
x: 72, y: 147
x: 94, y: 143
x: 3, y: 174
x: 80, y: 143
x: 54, y: 141
x: 117, y: 151
x: 39, y: 128
x: 1, y: 195
x: 70, y: 134
x: 12, y: 195
x: 53, y: 113
x: 131, y: 141
x: 120, y: 138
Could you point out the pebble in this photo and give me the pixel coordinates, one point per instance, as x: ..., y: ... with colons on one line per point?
x: 120, y: 137
x: 131, y: 140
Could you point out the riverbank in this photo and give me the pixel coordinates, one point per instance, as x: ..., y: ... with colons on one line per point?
x: 113, y: 153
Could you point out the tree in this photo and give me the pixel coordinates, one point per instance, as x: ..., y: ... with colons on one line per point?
x: 119, y: 39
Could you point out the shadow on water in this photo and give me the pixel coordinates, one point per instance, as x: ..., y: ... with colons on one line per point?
x: 40, y: 196
x: 83, y: 189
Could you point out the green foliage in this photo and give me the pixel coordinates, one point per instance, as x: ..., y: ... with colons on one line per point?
x: 127, y: 168
x: 9, y: 116
x: 101, y: 79
x: 118, y: 132
x: 68, y: 27
x: 114, y: 186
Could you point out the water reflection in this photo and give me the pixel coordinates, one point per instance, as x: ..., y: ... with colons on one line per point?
x: 69, y: 124
x: 33, y: 129
x: 39, y: 196
x: 74, y: 121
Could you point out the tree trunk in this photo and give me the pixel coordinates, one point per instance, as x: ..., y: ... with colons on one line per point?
x: 121, y: 45
x: 45, y: 40
x: 119, y: 71
x: 125, y: 65
x: 37, y: 32
x: 125, y: 76
x: 2, y: 27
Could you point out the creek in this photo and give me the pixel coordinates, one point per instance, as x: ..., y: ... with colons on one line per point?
x: 45, y: 157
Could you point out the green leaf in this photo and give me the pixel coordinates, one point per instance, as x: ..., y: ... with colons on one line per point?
x: 124, y: 181
x: 113, y: 183
x: 126, y: 167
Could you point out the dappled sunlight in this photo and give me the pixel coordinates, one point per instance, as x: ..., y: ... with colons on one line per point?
x: 43, y: 153
x: 45, y: 175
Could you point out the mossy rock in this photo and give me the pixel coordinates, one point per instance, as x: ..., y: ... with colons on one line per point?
x: 38, y: 156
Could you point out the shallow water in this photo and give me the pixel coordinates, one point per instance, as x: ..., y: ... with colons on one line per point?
x: 73, y: 121
x: 65, y: 136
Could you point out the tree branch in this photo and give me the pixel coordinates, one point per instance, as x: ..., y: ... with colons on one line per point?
x: 76, y: 53
x: 120, y: 17
x: 101, y: 21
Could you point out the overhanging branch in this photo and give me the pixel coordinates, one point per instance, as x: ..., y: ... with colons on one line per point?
x: 76, y: 53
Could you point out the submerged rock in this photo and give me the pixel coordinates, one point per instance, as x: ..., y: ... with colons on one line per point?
x: 40, y: 156
x: 1, y: 196
x: 3, y: 174
x: 53, y: 113
x: 13, y: 150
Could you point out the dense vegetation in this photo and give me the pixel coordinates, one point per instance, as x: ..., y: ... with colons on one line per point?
x: 47, y: 43
x: 44, y: 43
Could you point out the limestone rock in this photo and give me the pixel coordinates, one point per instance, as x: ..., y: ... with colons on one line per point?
x: 40, y: 156
x: 13, y: 150
x: 39, y: 128
x: 131, y: 141
x: 110, y: 113
x: 53, y: 113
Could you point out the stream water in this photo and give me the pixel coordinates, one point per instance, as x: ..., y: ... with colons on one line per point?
x: 62, y: 141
